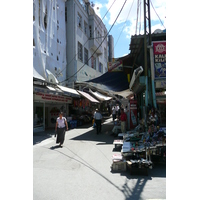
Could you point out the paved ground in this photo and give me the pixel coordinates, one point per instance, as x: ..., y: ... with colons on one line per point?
x: 81, y: 169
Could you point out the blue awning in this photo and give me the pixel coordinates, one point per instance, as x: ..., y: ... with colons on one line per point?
x: 115, y: 81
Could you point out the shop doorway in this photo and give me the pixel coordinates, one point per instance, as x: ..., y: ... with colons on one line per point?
x: 38, y: 116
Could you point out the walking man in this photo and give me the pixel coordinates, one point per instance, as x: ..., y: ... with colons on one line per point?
x: 123, y: 118
x: 98, y: 118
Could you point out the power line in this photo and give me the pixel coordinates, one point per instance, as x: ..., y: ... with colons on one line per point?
x: 124, y: 24
x: 89, y: 38
x: 157, y: 14
x: 99, y: 45
x: 140, y: 17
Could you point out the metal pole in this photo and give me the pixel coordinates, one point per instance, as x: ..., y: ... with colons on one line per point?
x: 152, y: 77
x: 149, y: 19
x: 145, y: 66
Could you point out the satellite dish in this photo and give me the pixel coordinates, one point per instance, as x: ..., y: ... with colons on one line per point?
x: 51, y: 77
x: 158, y: 31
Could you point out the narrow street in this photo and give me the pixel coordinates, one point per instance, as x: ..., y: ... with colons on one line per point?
x: 81, y: 169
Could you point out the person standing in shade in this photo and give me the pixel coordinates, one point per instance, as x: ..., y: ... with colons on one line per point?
x: 114, y: 113
x: 98, y: 118
x: 61, y: 127
x: 123, y: 119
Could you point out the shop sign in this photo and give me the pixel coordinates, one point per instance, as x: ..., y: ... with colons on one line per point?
x: 52, y: 98
x: 159, y: 50
x: 161, y: 84
x: 115, y: 66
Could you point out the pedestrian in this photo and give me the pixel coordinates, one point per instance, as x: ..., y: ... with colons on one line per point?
x: 108, y: 108
x: 123, y: 119
x: 114, y: 113
x: 98, y: 119
x: 61, y: 127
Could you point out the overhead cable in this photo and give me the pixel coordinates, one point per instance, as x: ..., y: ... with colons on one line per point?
x: 124, y: 24
x: 157, y: 14
x: 99, y: 45
x: 89, y: 38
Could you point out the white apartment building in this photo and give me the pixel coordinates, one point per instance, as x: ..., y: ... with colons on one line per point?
x: 86, y: 48
x: 49, y: 38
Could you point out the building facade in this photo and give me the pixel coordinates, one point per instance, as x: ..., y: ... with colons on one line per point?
x: 49, y: 41
x: 87, y: 45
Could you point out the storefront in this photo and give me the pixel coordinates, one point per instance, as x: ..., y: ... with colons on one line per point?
x: 47, y: 103
x: 161, y: 107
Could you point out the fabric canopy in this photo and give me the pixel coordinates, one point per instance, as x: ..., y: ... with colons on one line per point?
x: 37, y: 75
x: 100, y: 96
x: 69, y: 91
x: 86, y: 95
x: 115, y: 81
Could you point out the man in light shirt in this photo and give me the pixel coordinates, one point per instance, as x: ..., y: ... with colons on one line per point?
x: 98, y: 118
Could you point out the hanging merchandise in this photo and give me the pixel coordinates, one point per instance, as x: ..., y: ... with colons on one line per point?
x: 133, y: 114
x: 80, y: 103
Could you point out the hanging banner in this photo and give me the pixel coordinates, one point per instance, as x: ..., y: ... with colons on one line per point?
x: 159, y: 50
x: 115, y: 66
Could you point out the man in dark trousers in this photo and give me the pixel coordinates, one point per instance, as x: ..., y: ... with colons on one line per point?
x: 98, y: 118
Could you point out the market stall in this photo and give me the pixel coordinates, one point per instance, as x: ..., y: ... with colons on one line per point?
x: 139, y: 150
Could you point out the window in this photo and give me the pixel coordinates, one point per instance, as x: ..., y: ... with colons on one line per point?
x: 33, y: 42
x: 93, y: 62
x: 79, y: 21
x: 90, y: 29
x: 33, y: 12
x: 85, y: 56
x: 96, y: 35
x: 66, y: 14
x: 100, y: 67
x: 105, y: 54
x: 80, y: 51
x: 45, y: 18
x: 85, y: 27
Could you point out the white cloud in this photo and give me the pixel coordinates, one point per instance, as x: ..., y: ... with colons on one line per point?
x: 159, y: 6
x: 97, y: 8
x: 115, y: 9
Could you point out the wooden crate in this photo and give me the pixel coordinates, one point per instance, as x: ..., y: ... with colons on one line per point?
x: 119, y: 166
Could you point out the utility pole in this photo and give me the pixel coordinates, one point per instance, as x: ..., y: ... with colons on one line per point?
x: 147, y: 72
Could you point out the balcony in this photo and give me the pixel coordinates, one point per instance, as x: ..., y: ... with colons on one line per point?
x: 94, y: 45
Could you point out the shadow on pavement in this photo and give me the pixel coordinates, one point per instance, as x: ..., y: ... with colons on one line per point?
x: 55, y: 147
x: 40, y: 136
x: 103, y: 138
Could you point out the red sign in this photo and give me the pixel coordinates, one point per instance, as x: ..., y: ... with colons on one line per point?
x: 159, y: 50
x: 159, y: 47
x: 55, y: 98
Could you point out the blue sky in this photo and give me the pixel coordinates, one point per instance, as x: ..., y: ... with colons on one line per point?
x: 125, y: 25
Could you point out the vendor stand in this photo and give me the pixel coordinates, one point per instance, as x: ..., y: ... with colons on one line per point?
x: 141, y: 149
